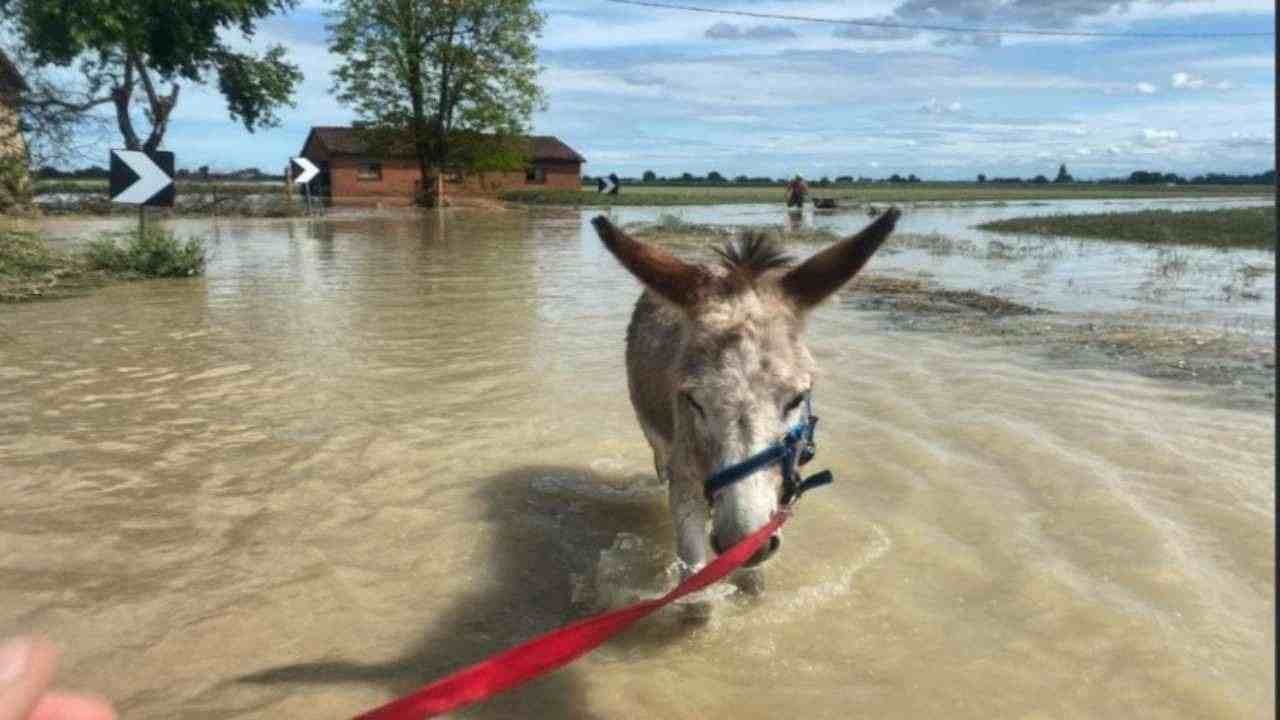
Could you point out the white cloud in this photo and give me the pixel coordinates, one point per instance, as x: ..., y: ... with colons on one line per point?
x: 1153, y: 137
x: 1186, y: 80
x: 729, y: 31
x: 934, y: 107
x: 1237, y: 62
x: 1145, y: 88
x: 1249, y: 141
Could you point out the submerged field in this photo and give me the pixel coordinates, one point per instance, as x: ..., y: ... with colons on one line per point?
x: 876, y: 193
x: 1252, y: 227
x: 364, y: 450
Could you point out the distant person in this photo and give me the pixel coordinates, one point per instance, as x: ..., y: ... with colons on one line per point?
x: 26, y: 671
x: 796, y: 192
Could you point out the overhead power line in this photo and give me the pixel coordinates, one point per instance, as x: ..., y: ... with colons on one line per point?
x: 890, y: 25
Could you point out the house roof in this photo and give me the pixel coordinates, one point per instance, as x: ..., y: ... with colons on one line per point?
x: 10, y: 78
x: 348, y: 141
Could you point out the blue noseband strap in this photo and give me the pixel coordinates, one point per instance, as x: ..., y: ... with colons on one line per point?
x: 794, y: 449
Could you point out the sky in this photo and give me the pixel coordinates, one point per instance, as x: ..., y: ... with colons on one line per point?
x: 640, y: 88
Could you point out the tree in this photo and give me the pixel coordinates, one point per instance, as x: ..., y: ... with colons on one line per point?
x: 982, y: 178
x: 1040, y: 180
x: 121, y: 46
x: 419, y: 71
x: 649, y: 176
x: 715, y: 177
x: 1063, y: 175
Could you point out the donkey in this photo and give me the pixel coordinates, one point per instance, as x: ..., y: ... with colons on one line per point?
x: 718, y: 371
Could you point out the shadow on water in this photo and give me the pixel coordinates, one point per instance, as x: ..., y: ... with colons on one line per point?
x: 552, y: 524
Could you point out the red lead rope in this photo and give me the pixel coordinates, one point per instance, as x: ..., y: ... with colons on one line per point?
x: 543, y: 654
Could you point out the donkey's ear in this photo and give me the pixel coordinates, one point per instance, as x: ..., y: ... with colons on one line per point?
x: 824, y: 273
x: 672, y: 278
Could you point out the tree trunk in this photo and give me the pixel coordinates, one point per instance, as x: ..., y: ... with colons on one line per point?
x: 122, y: 95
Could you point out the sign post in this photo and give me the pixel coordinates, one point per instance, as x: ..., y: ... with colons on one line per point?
x: 144, y: 179
x: 306, y: 172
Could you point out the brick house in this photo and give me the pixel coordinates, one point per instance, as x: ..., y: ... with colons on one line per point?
x: 350, y: 173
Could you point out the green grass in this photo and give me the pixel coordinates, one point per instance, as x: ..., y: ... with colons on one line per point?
x: 31, y: 270
x: 1235, y: 227
x: 883, y: 193
x: 23, y: 255
x: 150, y: 253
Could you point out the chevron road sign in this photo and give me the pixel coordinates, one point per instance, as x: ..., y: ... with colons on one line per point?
x: 608, y: 185
x: 142, y: 178
x: 306, y: 170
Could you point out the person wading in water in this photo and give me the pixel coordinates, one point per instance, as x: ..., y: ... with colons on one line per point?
x: 796, y: 192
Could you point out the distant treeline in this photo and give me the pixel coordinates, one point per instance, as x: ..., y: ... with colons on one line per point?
x: 1139, y: 177
x: 95, y: 172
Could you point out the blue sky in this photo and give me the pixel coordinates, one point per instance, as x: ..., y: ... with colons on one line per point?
x: 635, y: 88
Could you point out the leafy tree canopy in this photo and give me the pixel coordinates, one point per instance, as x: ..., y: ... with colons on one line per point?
x: 123, y: 45
x: 436, y: 69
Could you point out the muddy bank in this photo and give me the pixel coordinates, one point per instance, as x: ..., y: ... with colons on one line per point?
x: 54, y: 284
x: 1239, y: 369
x: 31, y: 270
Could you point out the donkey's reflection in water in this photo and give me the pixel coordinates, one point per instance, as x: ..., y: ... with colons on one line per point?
x: 719, y: 372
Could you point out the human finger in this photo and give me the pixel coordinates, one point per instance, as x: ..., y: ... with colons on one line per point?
x: 69, y: 706
x: 26, y: 670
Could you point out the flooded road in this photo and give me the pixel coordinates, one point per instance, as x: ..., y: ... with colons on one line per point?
x: 366, y: 450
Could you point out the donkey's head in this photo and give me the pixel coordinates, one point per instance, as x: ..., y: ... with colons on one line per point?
x: 741, y: 370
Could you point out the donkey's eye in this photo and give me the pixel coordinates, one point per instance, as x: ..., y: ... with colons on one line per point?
x: 694, y: 404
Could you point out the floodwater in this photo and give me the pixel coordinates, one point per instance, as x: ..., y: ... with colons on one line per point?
x: 366, y: 450
x: 1204, y: 286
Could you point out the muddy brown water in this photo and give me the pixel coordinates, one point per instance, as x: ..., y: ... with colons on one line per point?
x: 363, y: 451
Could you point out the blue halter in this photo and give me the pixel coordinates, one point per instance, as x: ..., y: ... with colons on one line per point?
x: 794, y: 449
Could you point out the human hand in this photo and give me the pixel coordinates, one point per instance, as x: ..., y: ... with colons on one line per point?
x: 26, y: 671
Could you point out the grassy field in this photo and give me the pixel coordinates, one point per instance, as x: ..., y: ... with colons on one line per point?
x: 1237, y: 227
x: 656, y: 195
x: 195, y: 187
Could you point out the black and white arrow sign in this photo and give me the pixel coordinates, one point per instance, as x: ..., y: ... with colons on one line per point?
x: 306, y: 170
x: 142, y: 178
x: 608, y: 185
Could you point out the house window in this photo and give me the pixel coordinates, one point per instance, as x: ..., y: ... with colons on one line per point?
x: 369, y: 171
x: 535, y: 175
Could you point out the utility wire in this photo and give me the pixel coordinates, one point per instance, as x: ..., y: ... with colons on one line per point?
x: 884, y: 24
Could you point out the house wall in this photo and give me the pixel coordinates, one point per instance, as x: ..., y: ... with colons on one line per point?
x: 400, y: 180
